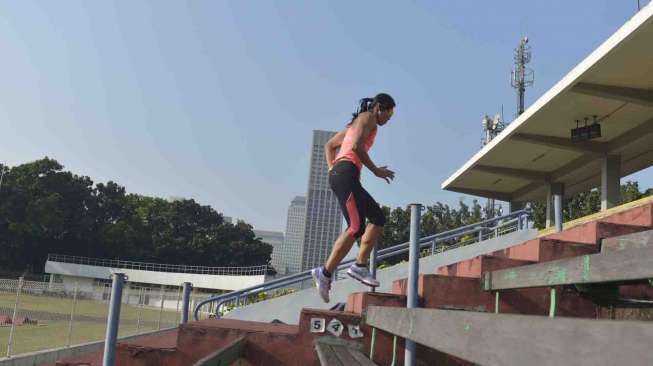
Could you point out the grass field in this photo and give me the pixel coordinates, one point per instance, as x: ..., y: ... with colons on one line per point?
x: 30, y: 338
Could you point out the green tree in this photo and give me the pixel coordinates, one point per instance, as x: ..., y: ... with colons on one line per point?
x: 44, y: 209
x: 587, y: 203
x: 436, y: 218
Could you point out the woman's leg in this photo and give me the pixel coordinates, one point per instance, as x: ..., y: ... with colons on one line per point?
x: 344, y: 182
x: 343, y: 178
x: 370, y: 237
x: 369, y: 240
x: 341, y: 247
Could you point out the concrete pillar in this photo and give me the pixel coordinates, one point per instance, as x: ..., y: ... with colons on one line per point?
x: 550, y: 218
x: 610, y: 181
x: 554, y: 190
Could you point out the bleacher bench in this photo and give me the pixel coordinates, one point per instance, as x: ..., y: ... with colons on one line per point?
x: 337, y: 352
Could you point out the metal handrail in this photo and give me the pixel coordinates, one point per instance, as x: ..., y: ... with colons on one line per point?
x: 432, y: 240
x: 159, y: 267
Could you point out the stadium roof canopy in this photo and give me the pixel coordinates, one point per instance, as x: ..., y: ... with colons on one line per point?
x: 615, y: 83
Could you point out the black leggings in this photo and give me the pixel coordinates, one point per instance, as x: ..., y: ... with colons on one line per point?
x: 356, y: 204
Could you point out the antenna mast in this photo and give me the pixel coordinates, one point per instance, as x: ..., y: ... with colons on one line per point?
x: 521, y: 76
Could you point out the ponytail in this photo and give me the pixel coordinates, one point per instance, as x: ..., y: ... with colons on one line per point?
x: 385, y: 101
x: 364, y: 105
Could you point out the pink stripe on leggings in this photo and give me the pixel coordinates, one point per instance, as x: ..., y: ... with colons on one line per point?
x: 354, y: 219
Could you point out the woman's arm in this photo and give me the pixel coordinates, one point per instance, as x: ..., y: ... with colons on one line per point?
x: 332, y: 145
x: 363, y: 126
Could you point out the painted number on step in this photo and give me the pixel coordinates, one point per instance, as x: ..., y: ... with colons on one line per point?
x: 335, y: 327
x: 354, y: 331
x: 317, y: 325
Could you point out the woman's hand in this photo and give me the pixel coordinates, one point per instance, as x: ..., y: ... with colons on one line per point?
x: 384, y: 173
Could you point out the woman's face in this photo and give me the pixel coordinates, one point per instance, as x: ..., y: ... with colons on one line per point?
x: 384, y: 116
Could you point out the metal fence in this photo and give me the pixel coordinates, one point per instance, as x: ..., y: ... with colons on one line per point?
x: 158, y: 267
x: 429, y: 245
x: 38, y: 315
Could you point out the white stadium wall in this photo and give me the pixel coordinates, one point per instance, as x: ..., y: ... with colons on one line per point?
x: 205, y: 281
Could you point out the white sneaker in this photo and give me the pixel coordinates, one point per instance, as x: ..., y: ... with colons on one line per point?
x: 323, y: 283
x: 362, y: 274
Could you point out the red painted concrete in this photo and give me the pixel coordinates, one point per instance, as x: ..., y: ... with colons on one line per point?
x: 638, y: 292
x: 278, y: 344
x: 449, y: 292
x: 359, y: 301
x: 544, y: 250
x: 267, y: 343
x: 476, y: 266
x: 593, y: 232
x: 138, y: 351
x: 344, y: 317
x: 642, y: 215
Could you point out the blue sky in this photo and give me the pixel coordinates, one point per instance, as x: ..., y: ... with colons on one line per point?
x: 216, y: 100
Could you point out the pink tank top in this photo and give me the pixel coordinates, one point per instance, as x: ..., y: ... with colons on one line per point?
x: 346, y: 151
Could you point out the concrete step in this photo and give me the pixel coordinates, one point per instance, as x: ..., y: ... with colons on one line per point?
x: 637, y: 291
x: 641, y: 239
x: 464, y: 293
x: 159, y: 349
x: 344, y: 317
x: 593, y: 232
x: 348, y: 318
x: 642, y: 216
x: 357, y: 303
x: 267, y: 343
x: 476, y: 266
x: 544, y: 250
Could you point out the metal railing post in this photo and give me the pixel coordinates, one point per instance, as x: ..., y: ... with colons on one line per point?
x: 10, y: 343
x: 373, y: 266
x: 141, y: 300
x: 413, y: 273
x: 518, y: 223
x: 113, y: 320
x: 72, y: 315
x: 163, y: 297
x: 178, y: 300
x: 185, y: 302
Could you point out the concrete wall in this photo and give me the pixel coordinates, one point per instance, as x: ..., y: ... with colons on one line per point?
x: 287, y: 308
x: 207, y: 281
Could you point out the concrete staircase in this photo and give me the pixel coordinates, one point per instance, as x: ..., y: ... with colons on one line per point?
x: 457, y: 286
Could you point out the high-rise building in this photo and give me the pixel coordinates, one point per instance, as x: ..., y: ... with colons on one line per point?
x: 274, y: 238
x: 323, y: 221
x: 293, y: 242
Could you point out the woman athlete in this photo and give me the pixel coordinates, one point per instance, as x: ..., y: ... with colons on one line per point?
x: 356, y: 204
